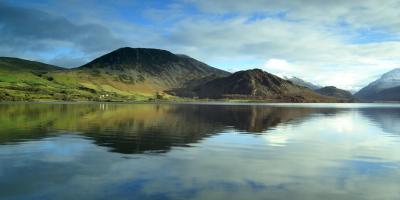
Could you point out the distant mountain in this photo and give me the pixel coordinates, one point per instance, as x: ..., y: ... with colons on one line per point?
x: 257, y: 84
x: 303, y: 83
x: 391, y: 94
x: 386, y: 88
x: 332, y: 91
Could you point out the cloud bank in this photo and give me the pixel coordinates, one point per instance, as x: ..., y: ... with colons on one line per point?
x: 341, y: 43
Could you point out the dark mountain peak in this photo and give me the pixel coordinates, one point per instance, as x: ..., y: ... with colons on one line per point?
x: 257, y: 84
x: 156, y: 67
x: 183, y: 55
x: 258, y: 76
x: 255, y: 70
x: 252, y: 72
x: 151, y: 61
x: 134, y: 58
x: 129, y: 51
x: 330, y: 88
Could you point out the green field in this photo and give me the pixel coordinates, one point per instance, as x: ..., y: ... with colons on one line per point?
x: 22, y: 80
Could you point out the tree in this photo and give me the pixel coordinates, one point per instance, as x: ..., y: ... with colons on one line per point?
x: 159, y: 96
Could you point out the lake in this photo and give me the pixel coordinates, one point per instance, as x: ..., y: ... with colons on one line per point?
x: 199, y: 151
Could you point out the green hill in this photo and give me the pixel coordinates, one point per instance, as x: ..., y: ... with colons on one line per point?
x: 26, y: 80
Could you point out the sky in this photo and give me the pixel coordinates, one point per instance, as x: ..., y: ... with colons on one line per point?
x: 342, y: 43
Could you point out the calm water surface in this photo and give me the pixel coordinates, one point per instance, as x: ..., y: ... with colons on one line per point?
x: 148, y: 151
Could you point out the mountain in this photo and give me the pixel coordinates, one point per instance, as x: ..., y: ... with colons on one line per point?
x: 332, y: 91
x: 386, y: 88
x: 124, y: 74
x: 260, y: 85
x: 390, y: 94
x: 303, y: 83
x: 156, y: 68
x: 138, y: 74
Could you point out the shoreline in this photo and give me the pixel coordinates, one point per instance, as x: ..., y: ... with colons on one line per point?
x: 216, y: 102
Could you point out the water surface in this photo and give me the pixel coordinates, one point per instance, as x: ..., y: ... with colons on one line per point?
x: 199, y: 151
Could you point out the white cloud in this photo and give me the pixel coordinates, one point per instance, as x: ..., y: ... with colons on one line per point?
x: 321, y: 39
x: 278, y: 64
x: 279, y: 67
x: 343, y: 43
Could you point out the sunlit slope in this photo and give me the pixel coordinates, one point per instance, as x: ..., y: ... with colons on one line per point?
x: 24, y: 80
x: 28, y: 80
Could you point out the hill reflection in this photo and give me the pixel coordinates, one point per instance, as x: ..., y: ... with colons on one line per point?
x: 142, y: 128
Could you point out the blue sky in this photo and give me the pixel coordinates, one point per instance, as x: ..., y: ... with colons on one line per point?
x: 341, y: 43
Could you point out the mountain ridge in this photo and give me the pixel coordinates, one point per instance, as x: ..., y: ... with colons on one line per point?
x: 382, y: 88
x: 136, y: 74
x: 161, y: 67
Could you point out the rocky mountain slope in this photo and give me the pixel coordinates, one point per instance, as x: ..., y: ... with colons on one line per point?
x: 159, y: 67
x: 386, y: 88
x: 257, y: 84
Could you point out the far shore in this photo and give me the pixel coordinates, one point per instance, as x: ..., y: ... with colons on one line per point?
x: 211, y: 101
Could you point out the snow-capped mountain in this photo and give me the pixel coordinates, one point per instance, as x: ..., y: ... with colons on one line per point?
x: 301, y: 82
x: 386, y: 88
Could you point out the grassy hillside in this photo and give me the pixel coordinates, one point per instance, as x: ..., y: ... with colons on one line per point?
x: 24, y: 80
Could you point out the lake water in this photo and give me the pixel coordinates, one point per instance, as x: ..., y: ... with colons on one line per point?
x: 200, y: 151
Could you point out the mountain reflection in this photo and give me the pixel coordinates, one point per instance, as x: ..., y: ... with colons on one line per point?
x: 141, y: 128
x: 387, y: 118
